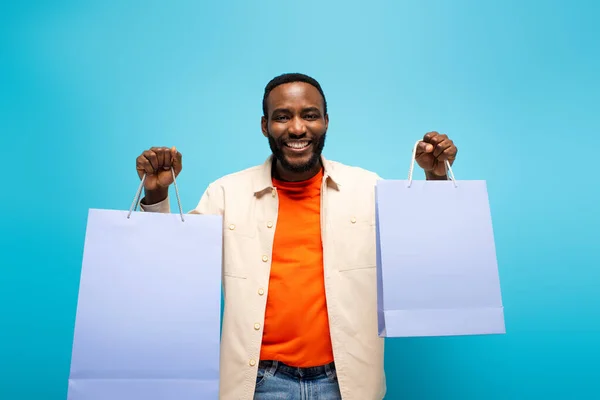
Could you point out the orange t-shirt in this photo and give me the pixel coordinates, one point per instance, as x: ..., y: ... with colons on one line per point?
x: 296, y: 327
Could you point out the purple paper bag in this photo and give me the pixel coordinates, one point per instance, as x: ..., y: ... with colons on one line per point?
x: 148, y: 314
x: 437, y: 273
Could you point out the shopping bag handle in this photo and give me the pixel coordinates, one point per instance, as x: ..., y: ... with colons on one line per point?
x: 412, y: 166
x: 136, y: 199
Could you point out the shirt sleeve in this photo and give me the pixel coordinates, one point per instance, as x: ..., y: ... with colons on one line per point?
x: 160, y: 207
x: 211, y: 202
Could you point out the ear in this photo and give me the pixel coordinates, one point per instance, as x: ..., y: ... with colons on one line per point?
x: 326, y: 121
x: 263, y: 126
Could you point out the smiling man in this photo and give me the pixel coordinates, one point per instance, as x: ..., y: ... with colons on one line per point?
x: 300, y: 317
x: 295, y: 122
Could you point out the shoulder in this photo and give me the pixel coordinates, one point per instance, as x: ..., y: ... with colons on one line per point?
x: 243, y: 182
x: 350, y: 174
x: 241, y: 177
x: 234, y: 186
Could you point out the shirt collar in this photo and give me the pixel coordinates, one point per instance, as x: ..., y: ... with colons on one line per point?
x: 263, y: 179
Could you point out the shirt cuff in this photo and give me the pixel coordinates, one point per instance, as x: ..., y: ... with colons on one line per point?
x: 160, y: 207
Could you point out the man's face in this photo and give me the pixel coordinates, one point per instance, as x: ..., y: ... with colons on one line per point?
x: 296, y: 125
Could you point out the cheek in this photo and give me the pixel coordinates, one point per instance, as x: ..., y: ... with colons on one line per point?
x: 276, y: 130
x: 317, y: 127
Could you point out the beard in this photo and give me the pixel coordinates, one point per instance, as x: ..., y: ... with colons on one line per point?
x: 315, y: 158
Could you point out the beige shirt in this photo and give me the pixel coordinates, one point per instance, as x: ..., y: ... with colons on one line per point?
x: 248, y: 203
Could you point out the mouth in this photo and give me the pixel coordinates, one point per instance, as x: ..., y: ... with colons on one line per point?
x: 298, y: 145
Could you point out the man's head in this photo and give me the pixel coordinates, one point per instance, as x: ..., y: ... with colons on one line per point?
x: 295, y: 121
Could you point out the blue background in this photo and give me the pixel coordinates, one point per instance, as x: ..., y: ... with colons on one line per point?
x: 86, y: 86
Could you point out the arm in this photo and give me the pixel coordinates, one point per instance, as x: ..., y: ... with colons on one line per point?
x: 211, y: 203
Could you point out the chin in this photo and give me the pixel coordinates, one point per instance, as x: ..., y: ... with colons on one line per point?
x: 300, y: 165
x: 297, y: 162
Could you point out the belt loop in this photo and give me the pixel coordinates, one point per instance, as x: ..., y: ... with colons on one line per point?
x: 273, y: 367
x: 330, y: 370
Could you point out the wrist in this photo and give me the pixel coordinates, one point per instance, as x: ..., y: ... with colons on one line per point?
x: 432, y: 177
x: 155, y: 196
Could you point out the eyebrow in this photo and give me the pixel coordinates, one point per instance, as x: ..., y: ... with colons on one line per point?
x: 287, y: 110
x: 309, y: 109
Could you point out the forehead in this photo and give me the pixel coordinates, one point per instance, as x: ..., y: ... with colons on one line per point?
x: 295, y: 94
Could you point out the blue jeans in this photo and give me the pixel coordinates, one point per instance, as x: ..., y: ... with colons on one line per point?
x: 276, y: 381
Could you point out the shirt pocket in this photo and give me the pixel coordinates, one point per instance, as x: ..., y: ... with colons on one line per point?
x: 355, y: 243
x: 239, y: 240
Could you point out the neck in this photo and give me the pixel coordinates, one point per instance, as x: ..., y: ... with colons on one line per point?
x: 285, y: 175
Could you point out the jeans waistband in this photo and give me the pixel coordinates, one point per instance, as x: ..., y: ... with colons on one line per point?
x: 298, y: 372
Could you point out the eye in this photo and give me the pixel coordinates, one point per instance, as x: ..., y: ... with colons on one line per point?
x: 312, y: 116
x: 280, y: 118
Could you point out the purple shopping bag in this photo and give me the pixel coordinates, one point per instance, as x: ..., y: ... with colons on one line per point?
x: 437, y: 273
x: 148, y: 313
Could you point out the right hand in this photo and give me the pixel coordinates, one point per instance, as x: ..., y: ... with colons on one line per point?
x: 156, y: 163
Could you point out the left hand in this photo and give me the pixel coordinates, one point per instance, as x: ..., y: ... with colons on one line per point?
x: 433, y: 151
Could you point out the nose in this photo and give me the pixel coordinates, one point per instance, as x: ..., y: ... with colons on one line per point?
x: 297, y: 127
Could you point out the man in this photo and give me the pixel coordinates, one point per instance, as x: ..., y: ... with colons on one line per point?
x: 300, y: 316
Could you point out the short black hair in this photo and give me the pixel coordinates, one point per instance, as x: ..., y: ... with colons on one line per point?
x: 289, y: 78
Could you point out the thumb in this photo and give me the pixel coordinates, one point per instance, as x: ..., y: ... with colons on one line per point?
x: 423, y: 148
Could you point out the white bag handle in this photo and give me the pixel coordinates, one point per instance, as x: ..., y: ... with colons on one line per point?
x: 136, y: 199
x: 412, y: 166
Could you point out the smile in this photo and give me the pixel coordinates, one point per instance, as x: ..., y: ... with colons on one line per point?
x: 298, y: 144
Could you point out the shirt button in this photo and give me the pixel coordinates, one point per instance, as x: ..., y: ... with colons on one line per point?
x: 256, y: 327
x: 265, y: 258
x: 261, y: 291
x: 353, y: 220
x: 252, y: 363
x: 269, y: 224
x: 231, y: 227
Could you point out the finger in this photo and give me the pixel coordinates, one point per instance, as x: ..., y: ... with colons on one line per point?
x: 449, y: 154
x: 143, y: 166
x: 437, y: 139
x: 441, y: 147
x: 167, y: 159
x: 152, y: 159
x: 160, y: 156
x: 423, y: 148
x: 429, y: 136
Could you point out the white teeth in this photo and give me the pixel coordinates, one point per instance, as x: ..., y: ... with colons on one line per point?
x: 297, y: 145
